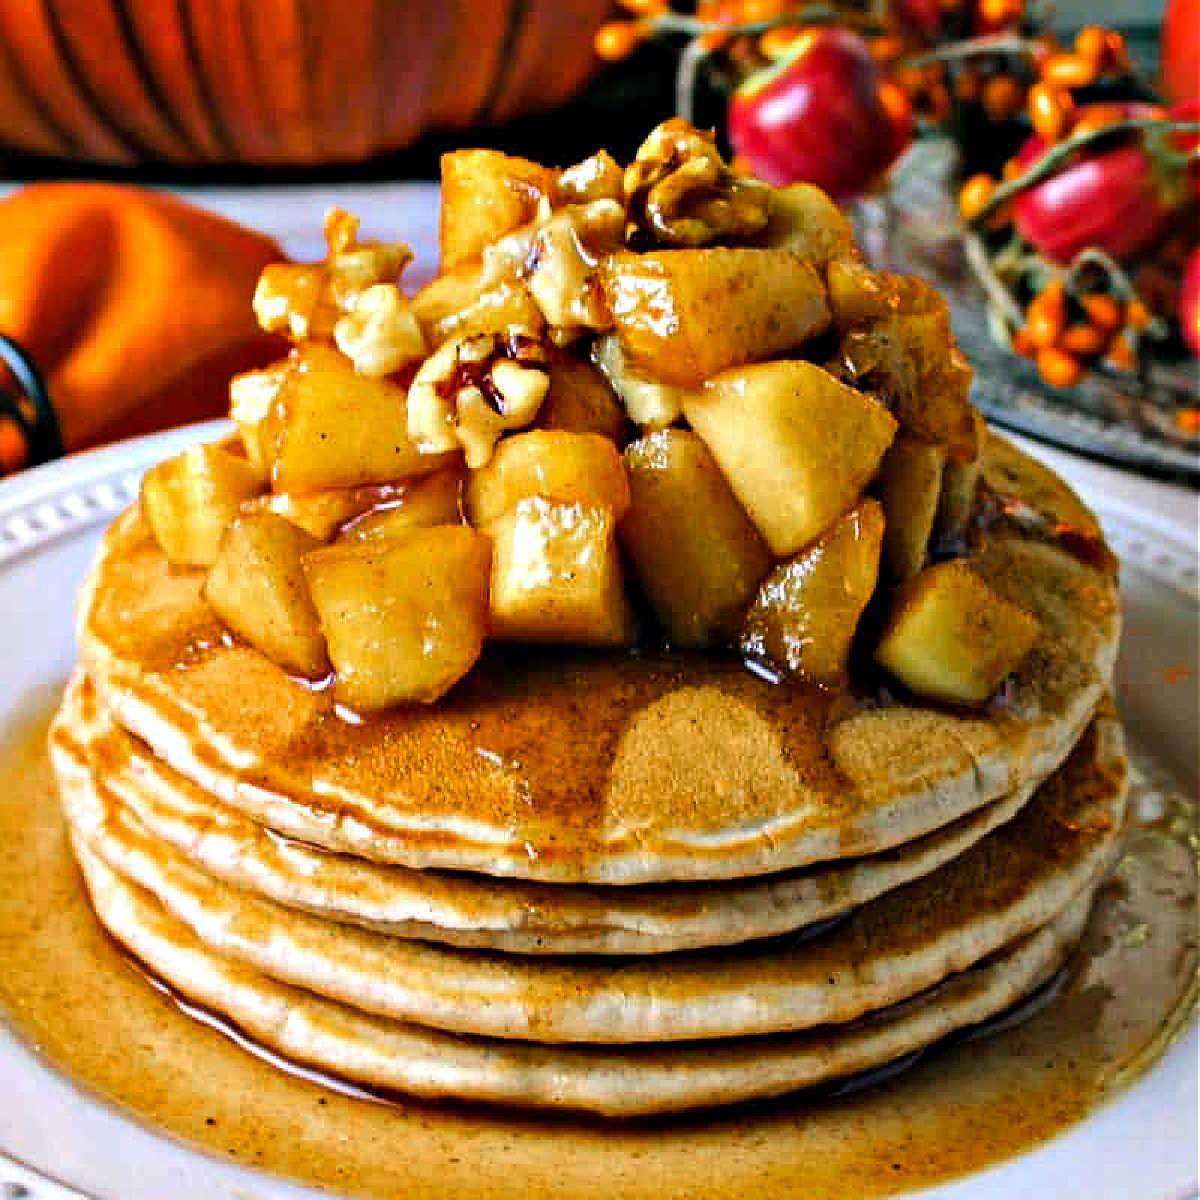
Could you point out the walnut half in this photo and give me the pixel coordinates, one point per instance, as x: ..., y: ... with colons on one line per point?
x: 679, y: 192
x: 472, y: 390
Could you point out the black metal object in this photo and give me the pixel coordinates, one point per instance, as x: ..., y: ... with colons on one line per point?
x: 30, y: 404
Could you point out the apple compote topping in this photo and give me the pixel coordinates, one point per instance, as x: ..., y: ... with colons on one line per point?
x: 654, y: 403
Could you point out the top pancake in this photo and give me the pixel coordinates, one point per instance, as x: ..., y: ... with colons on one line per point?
x: 600, y: 768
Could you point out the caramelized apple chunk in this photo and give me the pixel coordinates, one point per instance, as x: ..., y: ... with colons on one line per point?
x: 251, y: 397
x: 951, y: 637
x: 486, y: 194
x: 557, y: 577
x: 796, y: 446
x: 683, y: 316
x: 292, y: 298
x: 444, y: 297
x: 419, y: 504
x: 802, y: 219
x: 321, y: 514
x: 404, y: 618
x: 580, y: 399
x: 695, y: 552
x: 805, y: 615
x: 554, y: 464
x: 308, y: 300
x: 858, y: 295
x: 910, y: 483
x: 648, y: 403
x: 909, y: 359
x: 493, y: 311
x: 960, y: 480
x: 257, y: 587
x: 189, y: 500
x: 333, y: 428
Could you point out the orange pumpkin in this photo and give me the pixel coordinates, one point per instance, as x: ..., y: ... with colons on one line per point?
x: 277, y: 81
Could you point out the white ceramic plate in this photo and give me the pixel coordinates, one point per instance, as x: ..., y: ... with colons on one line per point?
x: 1141, y: 1146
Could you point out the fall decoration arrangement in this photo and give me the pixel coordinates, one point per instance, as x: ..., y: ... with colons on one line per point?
x: 1078, y: 189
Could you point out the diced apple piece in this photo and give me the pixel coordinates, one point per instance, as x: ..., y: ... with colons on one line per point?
x: 556, y: 576
x: 580, y: 399
x: 804, y: 220
x: 696, y: 554
x: 959, y: 481
x: 683, y: 316
x: 251, y: 396
x: 444, y: 296
x: 552, y: 463
x: 648, y: 403
x: 909, y: 357
x: 190, y: 499
x: 496, y: 310
x: 796, y: 446
x: 857, y: 294
x: 486, y: 194
x: 293, y: 298
x: 910, y: 480
x: 404, y: 619
x: 951, y: 637
x: 257, y: 587
x: 321, y: 514
x: 806, y: 613
x: 333, y: 428
x: 420, y: 504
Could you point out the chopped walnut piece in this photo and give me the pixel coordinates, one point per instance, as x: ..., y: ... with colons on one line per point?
x: 306, y: 301
x: 472, y: 390
x: 290, y: 298
x: 562, y: 265
x: 679, y: 192
x: 596, y: 178
x: 251, y: 397
x: 381, y: 335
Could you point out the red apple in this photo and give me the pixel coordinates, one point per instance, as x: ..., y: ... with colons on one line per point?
x: 1117, y: 197
x: 820, y: 114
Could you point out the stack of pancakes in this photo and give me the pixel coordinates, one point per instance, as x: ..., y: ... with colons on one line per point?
x: 619, y: 883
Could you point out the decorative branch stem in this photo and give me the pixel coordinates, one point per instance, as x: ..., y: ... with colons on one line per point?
x: 815, y: 14
x: 998, y: 295
x: 1095, y: 257
x: 1117, y: 279
x: 974, y: 47
x: 1049, y: 163
x: 686, y: 73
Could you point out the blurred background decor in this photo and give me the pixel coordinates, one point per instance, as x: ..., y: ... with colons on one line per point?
x: 277, y: 82
x: 1043, y: 177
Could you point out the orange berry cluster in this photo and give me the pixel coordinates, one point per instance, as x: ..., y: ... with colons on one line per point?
x: 1063, y: 334
x: 1098, y: 52
x: 618, y: 39
x: 1045, y: 93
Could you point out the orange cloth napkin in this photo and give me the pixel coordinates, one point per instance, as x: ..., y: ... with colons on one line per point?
x: 134, y: 305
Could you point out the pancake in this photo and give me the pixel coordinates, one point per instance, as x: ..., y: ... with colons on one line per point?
x: 1012, y: 882
x: 616, y: 1082
x: 473, y: 910
x: 601, y: 768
